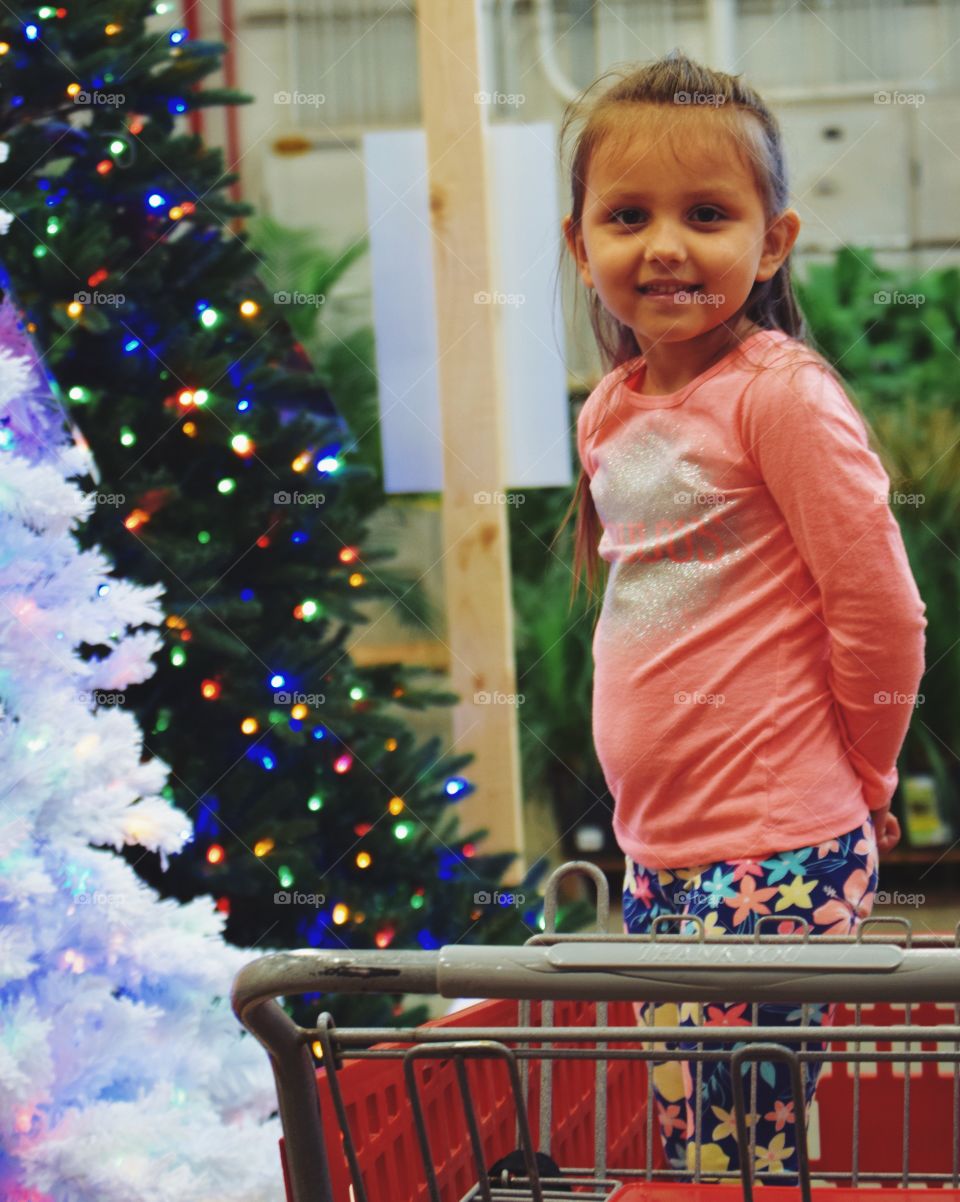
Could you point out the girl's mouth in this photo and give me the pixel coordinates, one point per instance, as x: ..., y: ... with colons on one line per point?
x: 668, y: 289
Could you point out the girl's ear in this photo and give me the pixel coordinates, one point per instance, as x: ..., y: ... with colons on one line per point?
x: 777, y: 243
x: 575, y: 245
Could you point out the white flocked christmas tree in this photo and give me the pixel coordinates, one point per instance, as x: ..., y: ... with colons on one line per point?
x: 124, y: 1076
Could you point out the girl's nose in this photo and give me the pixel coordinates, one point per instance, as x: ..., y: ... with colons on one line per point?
x: 662, y: 242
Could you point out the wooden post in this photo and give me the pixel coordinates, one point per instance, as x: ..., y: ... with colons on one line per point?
x: 475, y: 533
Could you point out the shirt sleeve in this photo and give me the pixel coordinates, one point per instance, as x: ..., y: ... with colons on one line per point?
x: 586, y: 415
x: 810, y: 446
x: 593, y: 415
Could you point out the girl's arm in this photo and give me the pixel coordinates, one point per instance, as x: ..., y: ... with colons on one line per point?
x: 810, y: 446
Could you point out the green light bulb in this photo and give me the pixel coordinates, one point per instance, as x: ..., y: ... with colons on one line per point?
x: 315, y: 803
x: 209, y: 318
x: 77, y: 393
x: 127, y: 437
x: 226, y: 485
x: 401, y: 830
x: 203, y: 537
x: 39, y: 251
x: 178, y: 657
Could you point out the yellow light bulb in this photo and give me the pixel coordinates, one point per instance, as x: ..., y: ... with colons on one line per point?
x: 396, y: 806
x: 73, y: 89
x: 299, y: 712
x: 363, y: 859
x: 249, y: 308
x: 249, y: 726
x: 263, y: 846
x: 74, y: 309
x: 340, y: 914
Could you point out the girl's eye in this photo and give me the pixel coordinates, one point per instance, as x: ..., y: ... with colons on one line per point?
x: 708, y: 209
x: 699, y: 209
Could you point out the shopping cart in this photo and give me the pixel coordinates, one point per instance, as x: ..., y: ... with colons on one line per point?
x: 445, y: 1112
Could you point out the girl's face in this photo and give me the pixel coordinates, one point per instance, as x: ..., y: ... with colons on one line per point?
x: 647, y: 216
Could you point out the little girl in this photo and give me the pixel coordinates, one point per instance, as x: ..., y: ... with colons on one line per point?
x: 761, y: 637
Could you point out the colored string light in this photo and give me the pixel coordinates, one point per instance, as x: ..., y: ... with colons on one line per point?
x: 136, y: 519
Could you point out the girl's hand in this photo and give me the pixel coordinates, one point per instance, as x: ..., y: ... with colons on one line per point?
x: 886, y: 827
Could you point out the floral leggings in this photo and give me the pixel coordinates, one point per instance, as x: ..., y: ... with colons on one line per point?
x: 831, y: 886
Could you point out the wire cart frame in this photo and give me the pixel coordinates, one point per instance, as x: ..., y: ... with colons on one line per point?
x: 528, y: 1064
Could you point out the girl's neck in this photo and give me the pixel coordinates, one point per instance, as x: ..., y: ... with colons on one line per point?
x: 671, y: 366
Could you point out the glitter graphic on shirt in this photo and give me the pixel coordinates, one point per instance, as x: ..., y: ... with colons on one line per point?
x: 665, y: 536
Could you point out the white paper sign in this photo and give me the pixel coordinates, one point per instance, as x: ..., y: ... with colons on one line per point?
x: 525, y: 227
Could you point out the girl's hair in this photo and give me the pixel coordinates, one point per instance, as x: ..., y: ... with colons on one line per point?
x: 771, y: 304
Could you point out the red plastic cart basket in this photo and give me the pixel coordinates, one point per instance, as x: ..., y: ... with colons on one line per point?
x: 424, y: 1117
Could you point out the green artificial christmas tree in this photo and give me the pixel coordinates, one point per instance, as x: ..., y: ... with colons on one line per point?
x: 227, y: 475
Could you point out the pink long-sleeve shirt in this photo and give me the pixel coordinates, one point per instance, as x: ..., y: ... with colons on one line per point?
x: 761, y: 638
